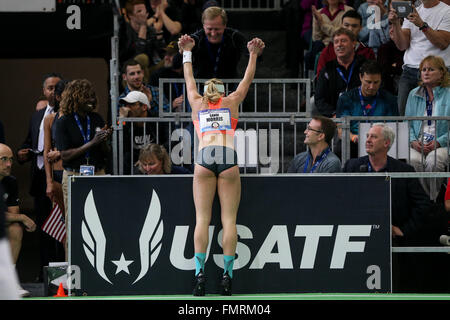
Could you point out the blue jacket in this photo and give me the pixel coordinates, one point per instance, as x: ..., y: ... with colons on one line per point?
x: 416, y: 105
x: 349, y: 104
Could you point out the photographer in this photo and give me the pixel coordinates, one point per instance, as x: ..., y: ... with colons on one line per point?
x: 425, y: 31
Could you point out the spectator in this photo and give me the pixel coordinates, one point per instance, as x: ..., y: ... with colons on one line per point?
x: 339, y: 75
x: 319, y: 157
x: 409, y: 201
x: 133, y: 76
x: 351, y: 20
x: 136, y: 105
x: 81, y: 134
x: 9, y: 284
x: 154, y: 159
x: 15, y: 221
x: 367, y: 100
x: 426, y: 31
x: 52, y: 158
x: 165, y: 16
x: 32, y: 150
x: 409, y: 205
x: 217, y: 49
x: 325, y: 22
x: 429, y: 139
x: 138, y: 40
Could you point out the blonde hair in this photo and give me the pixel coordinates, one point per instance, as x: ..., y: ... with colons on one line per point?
x: 211, y: 93
x: 439, y: 64
x: 213, y: 12
x: 157, y: 151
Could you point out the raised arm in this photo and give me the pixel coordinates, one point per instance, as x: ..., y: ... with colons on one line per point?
x: 400, y: 36
x: 255, y: 48
x: 186, y: 43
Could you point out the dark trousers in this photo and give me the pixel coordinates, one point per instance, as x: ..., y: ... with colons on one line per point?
x: 50, y: 250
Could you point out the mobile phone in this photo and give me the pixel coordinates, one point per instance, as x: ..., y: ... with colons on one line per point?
x: 403, y: 8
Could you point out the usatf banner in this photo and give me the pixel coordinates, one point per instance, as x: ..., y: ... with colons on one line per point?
x: 134, y: 235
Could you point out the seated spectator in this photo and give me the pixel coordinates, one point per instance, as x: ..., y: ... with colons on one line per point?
x: 81, y: 134
x: 318, y: 158
x: 367, y: 100
x: 339, y: 75
x: 351, y: 20
x: 410, y: 207
x: 409, y: 201
x: 165, y: 17
x: 133, y: 76
x: 429, y: 139
x: 426, y: 31
x: 15, y: 221
x: 217, y: 49
x: 154, y: 159
x: 136, y: 105
x: 325, y: 22
x: 137, y: 40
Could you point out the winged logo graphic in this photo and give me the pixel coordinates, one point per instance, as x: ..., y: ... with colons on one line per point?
x: 94, y: 240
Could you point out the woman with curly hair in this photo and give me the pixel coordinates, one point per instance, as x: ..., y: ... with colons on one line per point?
x: 81, y: 133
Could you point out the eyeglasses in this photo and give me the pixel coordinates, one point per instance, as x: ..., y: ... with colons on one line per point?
x: 6, y: 159
x: 311, y: 129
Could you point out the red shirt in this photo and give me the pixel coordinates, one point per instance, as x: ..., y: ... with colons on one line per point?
x: 447, y: 192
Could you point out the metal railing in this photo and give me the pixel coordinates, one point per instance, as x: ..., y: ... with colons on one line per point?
x: 265, y: 98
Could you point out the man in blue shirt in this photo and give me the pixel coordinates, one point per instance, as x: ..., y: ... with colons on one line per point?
x: 366, y: 100
x: 133, y: 76
x: 318, y: 158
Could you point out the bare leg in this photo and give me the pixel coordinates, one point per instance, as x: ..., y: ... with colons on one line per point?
x: 204, y: 190
x: 229, y: 190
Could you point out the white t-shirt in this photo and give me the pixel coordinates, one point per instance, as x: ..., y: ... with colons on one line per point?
x: 438, y: 18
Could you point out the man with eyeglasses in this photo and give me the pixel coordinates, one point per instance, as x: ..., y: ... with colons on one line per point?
x: 318, y: 158
x: 15, y: 221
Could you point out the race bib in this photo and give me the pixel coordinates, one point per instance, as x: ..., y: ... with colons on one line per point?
x: 216, y: 119
x: 87, y: 170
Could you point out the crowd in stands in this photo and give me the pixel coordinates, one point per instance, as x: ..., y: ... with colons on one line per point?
x: 366, y: 61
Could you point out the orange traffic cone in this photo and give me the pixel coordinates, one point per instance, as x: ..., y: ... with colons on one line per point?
x: 60, y: 292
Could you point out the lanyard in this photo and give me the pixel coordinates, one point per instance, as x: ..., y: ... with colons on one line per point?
x: 346, y: 80
x: 324, y: 155
x: 87, y: 136
x: 368, y: 109
x: 429, y: 106
x: 211, y: 55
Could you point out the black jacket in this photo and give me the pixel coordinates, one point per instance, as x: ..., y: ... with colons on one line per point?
x: 234, y: 46
x: 38, y: 187
x: 330, y: 85
x: 410, y: 204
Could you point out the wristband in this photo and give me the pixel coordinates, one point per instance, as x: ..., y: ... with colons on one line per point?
x: 187, y: 56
